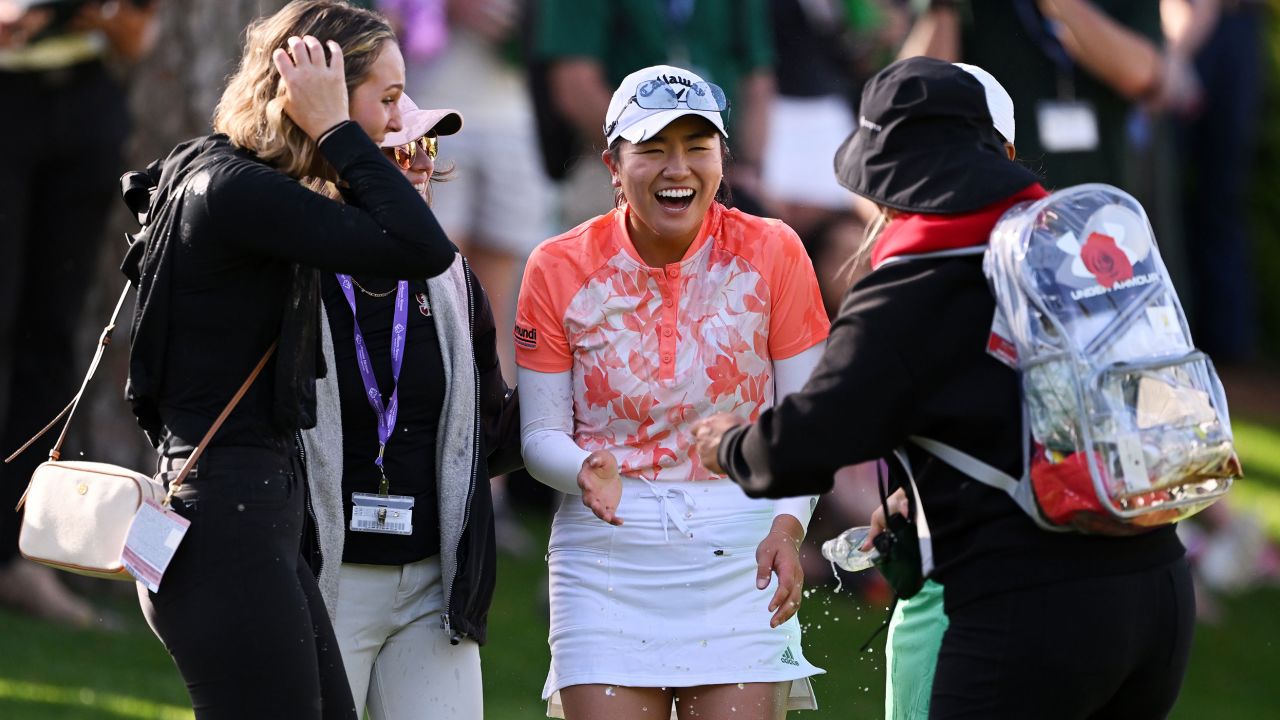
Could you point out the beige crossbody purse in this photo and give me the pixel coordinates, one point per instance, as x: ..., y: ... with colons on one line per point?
x: 78, y: 513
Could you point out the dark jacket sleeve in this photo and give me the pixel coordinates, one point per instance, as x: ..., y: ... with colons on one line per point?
x: 856, y: 407
x: 906, y: 356
x: 386, y: 230
x: 499, y: 405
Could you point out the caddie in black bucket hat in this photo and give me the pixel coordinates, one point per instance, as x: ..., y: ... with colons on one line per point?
x: 925, y: 141
x: 1007, y: 623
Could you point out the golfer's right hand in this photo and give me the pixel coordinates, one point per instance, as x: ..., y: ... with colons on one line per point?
x: 313, y: 92
x: 601, y: 485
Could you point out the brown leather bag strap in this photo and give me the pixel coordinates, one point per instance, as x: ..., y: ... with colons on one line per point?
x: 67, y: 412
x: 204, y: 442
x: 103, y: 341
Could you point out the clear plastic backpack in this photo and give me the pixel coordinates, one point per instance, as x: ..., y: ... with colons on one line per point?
x: 1128, y: 424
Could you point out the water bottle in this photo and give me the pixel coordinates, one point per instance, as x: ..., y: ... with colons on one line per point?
x: 843, y: 550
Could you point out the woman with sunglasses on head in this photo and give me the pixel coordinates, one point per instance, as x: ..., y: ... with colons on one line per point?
x: 418, y: 401
x: 630, y: 327
x: 226, y: 273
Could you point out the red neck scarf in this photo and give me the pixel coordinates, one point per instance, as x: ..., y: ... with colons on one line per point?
x: 915, y: 233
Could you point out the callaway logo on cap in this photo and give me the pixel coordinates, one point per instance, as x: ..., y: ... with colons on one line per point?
x: 650, y: 99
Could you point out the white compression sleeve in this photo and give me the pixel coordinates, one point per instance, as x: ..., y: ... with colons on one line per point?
x: 546, y: 429
x: 790, y: 375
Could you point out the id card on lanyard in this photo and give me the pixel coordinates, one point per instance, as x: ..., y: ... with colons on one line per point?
x: 1065, y: 124
x: 381, y: 512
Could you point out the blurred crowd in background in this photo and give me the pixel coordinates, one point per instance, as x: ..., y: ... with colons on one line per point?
x: 1162, y: 98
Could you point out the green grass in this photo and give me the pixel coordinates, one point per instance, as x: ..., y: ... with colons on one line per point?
x: 1259, y: 491
x: 49, y: 673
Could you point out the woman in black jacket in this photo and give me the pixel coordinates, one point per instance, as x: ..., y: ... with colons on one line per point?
x: 234, y: 246
x: 1043, y: 625
x: 409, y: 594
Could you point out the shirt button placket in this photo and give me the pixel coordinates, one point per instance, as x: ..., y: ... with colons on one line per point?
x: 667, y: 336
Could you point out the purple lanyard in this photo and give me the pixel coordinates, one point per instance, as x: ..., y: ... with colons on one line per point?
x: 399, y: 329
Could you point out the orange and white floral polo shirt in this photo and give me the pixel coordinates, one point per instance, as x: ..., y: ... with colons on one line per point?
x: 654, y: 349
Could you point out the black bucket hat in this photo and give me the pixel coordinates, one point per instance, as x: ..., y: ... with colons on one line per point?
x: 926, y: 143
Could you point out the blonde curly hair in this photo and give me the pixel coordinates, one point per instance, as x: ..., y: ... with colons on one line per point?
x: 251, y: 112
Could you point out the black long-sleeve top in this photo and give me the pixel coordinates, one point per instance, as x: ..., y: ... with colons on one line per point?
x: 225, y: 273
x: 907, y: 356
x: 410, y: 456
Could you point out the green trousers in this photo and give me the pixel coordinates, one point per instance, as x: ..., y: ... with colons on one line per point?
x: 911, y: 653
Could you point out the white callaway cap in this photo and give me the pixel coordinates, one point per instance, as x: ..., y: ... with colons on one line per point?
x: 999, y: 104
x: 626, y: 119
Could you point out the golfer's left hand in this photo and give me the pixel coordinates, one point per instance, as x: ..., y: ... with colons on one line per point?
x: 779, y: 554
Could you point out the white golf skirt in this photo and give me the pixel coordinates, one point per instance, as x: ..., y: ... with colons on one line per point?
x: 668, y: 599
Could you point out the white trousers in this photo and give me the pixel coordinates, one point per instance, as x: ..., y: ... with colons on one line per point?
x: 399, y: 661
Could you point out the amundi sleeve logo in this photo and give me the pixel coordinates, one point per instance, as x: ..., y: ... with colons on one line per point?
x: 526, y: 338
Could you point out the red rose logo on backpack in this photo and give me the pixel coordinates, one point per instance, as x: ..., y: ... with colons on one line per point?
x: 1105, y: 260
